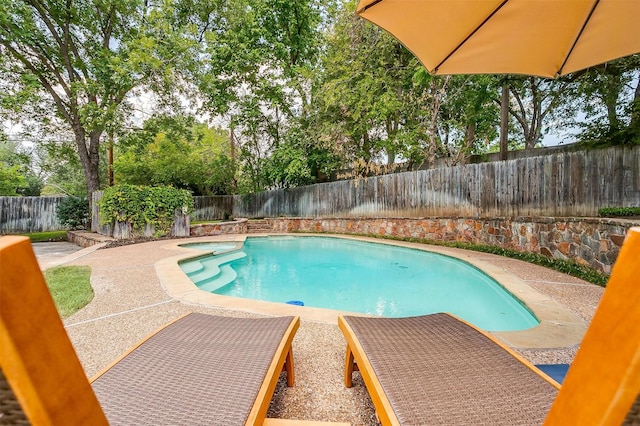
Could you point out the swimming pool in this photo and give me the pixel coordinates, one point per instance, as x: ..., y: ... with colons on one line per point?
x: 358, y: 276
x: 214, y: 247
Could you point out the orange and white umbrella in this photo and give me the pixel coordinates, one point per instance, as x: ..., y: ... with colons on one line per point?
x: 547, y: 38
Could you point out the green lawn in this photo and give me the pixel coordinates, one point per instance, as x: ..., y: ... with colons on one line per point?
x: 70, y: 287
x: 39, y: 237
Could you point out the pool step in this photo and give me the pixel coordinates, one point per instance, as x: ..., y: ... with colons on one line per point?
x: 191, y: 268
x: 259, y: 227
x: 211, y: 269
x: 224, y: 277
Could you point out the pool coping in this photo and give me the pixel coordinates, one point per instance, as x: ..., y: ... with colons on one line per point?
x: 558, y: 326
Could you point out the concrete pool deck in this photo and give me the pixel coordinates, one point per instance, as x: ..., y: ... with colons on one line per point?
x: 140, y: 287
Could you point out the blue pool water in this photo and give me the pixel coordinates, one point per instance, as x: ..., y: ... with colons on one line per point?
x: 358, y: 276
x: 214, y: 246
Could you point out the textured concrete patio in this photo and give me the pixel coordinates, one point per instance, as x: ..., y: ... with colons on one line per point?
x: 135, y: 293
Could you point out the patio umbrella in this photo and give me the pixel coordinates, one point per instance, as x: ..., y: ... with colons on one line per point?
x: 547, y: 38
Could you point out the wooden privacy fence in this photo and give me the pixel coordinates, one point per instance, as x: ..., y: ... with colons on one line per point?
x: 19, y: 215
x: 212, y: 208
x: 563, y: 184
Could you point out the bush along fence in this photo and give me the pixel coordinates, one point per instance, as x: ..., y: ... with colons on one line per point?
x: 130, y: 211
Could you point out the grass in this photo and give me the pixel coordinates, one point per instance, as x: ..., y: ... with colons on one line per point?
x: 200, y: 222
x: 40, y: 237
x: 70, y: 287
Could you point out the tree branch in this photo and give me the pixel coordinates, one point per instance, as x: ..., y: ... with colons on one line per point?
x: 519, y: 115
x: 60, y: 104
x: 44, y: 15
x: 68, y: 45
x: 109, y: 28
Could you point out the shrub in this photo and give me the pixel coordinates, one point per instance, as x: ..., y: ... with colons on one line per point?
x: 73, y: 212
x: 144, y: 205
x: 619, y: 211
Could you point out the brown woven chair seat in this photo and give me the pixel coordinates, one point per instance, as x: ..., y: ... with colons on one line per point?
x: 435, y: 369
x: 201, y: 369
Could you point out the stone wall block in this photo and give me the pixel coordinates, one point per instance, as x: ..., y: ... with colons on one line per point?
x: 558, y: 237
x: 594, y: 244
x: 617, y: 239
x: 586, y: 253
x: 597, y: 265
x: 559, y: 255
x: 563, y: 247
x: 604, y: 246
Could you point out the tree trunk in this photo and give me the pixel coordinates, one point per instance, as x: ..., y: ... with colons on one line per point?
x: 614, y: 123
x: 635, y: 109
x: 90, y: 160
x: 469, y: 138
x: 611, y: 101
x: 504, y: 122
x: 532, y: 133
x: 111, y: 159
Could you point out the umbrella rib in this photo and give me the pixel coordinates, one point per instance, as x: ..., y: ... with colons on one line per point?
x: 575, y: 42
x: 369, y: 5
x: 435, y: 70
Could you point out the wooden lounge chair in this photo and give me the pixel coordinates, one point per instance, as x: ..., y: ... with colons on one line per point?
x: 436, y: 369
x: 200, y: 369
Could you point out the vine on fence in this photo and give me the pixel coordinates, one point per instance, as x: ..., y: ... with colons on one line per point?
x: 144, y: 205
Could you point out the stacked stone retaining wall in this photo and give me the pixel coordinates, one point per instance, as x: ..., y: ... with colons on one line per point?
x: 220, y: 228
x: 87, y: 239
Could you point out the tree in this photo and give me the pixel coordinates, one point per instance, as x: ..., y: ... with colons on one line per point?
x: 62, y: 169
x: 298, y: 160
x: 535, y: 100
x: 469, y: 117
x: 362, y: 95
x: 610, y: 95
x: 258, y: 59
x: 17, y: 173
x: 10, y: 180
x: 179, y: 152
x: 378, y: 103
x: 75, y: 62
